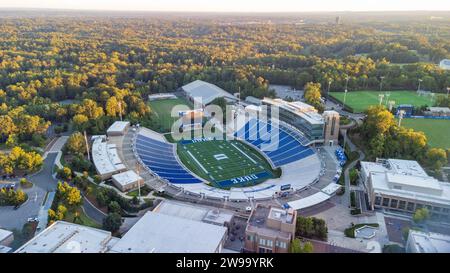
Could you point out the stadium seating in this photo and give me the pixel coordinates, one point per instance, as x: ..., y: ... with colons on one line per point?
x: 159, y: 157
x: 285, y: 148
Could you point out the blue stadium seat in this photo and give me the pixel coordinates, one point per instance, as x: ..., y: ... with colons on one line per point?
x: 150, y: 152
x: 288, y: 149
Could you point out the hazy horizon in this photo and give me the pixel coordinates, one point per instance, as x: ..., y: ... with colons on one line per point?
x: 244, y: 6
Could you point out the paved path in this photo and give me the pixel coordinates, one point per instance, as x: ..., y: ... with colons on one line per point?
x: 93, y: 212
x: 43, y: 181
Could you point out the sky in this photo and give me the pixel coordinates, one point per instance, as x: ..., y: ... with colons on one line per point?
x: 233, y: 5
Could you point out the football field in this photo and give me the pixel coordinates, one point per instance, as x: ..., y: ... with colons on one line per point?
x: 361, y: 100
x: 162, y: 110
x: 436, y: 130
x: 225, y: 163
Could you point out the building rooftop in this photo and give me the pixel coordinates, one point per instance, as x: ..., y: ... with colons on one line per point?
x: 105, y: 156
x: 207, y: 92
x: 429, y: 242
x: 424, y: 189
x: 196, y: 213
x: 64, y: 237
x: 445, y: 64
x: 258, y: 221
x: 299, y: 108
x: 118, y: 126
x: 439, y: 109
x: 126, y: 178
x: 4, y: 234
x: 161, y: 233
x: 5, y: 249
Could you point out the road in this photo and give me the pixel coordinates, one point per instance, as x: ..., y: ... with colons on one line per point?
x: 91, y: 211
x: 43, y: 182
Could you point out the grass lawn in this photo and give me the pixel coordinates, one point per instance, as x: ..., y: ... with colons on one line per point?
x: 83, y: 219
x: 361, y: 100
x: 162, y: 109
x: 436, y: 130
x: 220, y: 161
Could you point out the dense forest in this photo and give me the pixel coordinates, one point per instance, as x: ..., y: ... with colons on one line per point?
x: 67, y: 68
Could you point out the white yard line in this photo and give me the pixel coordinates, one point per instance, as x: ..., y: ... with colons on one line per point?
x: 195, y: 159
x: 243, y: 153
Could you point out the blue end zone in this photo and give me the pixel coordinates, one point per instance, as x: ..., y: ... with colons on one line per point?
x: 243, y: 180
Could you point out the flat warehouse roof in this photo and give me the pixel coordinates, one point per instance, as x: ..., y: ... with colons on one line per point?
x: 126, y: 178
x: 64, y: 237
x: 118, y: 126
x: 161, y: 233
x: 206, y: 91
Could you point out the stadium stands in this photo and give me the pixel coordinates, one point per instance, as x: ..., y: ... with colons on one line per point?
x: 282, y: 147
x: 150, y: 152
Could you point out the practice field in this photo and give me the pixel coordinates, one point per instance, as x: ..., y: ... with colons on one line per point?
x: 361, y: 100
x: 436, y: 130
x: 162, y: 109
x: 225, y: 163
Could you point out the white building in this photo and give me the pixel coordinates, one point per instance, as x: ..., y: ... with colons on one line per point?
x: 422, y: 242
x: 445, y: 64
x: 6, y: 237
x: 205, y: 93
x: 162, y: 233
x: 405, y: 186
x: 118, y: 128
x: 128, y: 180
x: 64, y: 237
x: 196, y: 213
x: 106, y: 157
x: 300, y: 115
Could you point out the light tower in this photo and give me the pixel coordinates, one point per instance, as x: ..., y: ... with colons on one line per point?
x: 401, y: 113
x: 329, y: 85
x: 381, y: 82
x: 381, y: 96
x: 391, y: 105
x: 418, y: 88
x: 346, y: 89
x: 448, y: 91
x: 387, y: 95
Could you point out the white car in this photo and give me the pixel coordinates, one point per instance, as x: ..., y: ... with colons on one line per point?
x: 33, y: 219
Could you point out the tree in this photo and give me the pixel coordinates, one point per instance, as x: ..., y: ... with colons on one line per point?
x: 80, y: 122
x: 73, y: 197
x: 76, y: 144
x: 298, y: 247
x: 436, y: 158
x: 114, y: 107
x: 112, y: 222
x: 114, y: 207
x: 421, y: 215
x: 313, y: 96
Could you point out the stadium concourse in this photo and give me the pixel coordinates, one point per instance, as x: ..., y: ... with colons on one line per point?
x: 300, y: 165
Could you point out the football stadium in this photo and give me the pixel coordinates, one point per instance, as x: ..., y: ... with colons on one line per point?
x: 257, y: 158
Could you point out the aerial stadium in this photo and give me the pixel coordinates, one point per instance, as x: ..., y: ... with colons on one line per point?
x: 261, y: 156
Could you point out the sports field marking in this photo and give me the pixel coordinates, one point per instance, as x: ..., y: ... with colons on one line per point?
x: 237, y: 148
x: 196, y: 161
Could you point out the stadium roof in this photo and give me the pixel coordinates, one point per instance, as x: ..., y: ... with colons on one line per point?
x: 423, y: 242
x: 64, y: 237
x: 306, y: 111
x: 207, y: 92
x: 105, y: 157
x: 161, y: 233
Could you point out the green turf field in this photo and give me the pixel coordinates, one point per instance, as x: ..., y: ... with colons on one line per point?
x: 437, y: 131
x: 222, y: 160
x: 361, y: 100
x: 162, y: 110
